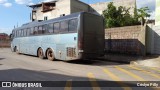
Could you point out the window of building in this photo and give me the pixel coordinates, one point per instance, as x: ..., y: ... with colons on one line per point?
x: 56, y: 27
x: 45, y: 18
x: 48, y: 7
x: 73, y: 25
x: 64, y: 27
x: 62, y: 15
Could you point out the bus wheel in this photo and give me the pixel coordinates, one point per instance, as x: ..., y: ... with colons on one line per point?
x: 40, y: 53
x: 17, y: 50
x: 50, y: 55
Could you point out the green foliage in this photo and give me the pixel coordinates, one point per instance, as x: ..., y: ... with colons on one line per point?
x: 142, y: 14
x: 118, y: 17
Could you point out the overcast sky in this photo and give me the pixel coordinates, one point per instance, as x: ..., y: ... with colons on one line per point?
x: 15, y: 12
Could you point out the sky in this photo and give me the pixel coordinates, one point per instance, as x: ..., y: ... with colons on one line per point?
x: 16, y: 12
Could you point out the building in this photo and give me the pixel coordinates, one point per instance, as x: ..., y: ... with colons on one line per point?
x: 3, y: 36
x: 157, y: 13
x: 100, y: 7
x: 57, y: 8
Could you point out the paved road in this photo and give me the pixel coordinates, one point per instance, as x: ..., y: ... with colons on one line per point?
x: 14, y: 67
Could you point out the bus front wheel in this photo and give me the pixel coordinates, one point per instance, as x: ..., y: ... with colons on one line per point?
x: 50, y: 55
x: 40, y: 53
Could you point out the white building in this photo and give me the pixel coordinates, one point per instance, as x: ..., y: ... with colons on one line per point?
x: 57, y: 8
x: 157, y: 13
x: 53, y: 9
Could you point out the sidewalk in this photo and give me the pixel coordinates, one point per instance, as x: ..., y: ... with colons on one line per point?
x: 155, y: 62
x: 150, y: 61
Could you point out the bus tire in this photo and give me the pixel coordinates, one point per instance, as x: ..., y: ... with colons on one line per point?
x: 50, y: 54
x: 14, y: 49
x: 17, y: 51
x: 40, y: 53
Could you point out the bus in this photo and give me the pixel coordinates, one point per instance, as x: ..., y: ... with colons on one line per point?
x: 72, y: 37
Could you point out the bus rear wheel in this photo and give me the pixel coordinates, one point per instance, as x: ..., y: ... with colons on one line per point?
x: 16, y: 50
x: 40, y: 53
x: 50, y: 55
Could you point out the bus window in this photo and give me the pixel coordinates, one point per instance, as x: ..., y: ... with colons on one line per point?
x: 35, y: 31
x: 13, y: 34
x: 73, y: 25
x: 64, y: 27
x: 40, y: 29
x: 16, y: 33
x: 28, y: 31
x: 24, y: 32
x: 32, y: 30
x: 19, y: 33
x: 56, y: 27
x: 50, y: 29
x: 44, y: 28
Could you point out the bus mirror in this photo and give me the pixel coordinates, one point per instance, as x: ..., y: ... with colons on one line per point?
x: 11, y: 36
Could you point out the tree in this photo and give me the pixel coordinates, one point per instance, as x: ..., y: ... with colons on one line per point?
x: 110, y: 15
x: 118, y: 17
x: 143, y: 14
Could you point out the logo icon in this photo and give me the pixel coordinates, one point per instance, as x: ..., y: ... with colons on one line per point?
x: 6, y: 84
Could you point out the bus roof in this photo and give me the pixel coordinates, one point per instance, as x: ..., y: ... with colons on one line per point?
x: 35, y: 23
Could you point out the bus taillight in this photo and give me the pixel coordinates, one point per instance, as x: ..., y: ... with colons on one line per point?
x: 80, y: 45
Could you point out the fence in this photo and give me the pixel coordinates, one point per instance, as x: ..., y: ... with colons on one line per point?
x: 4, y: 43
x: 128, y: 40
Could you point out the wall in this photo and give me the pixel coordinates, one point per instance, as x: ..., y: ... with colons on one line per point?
x: 4, y: 43
x: 154, y: 41
x: 98, y: 8
x: 39, y: 14
x: 78, y: 6
x: 127, y: 40
x: 62, y: 7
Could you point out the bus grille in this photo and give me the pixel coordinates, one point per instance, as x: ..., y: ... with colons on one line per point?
x: 71, y: 52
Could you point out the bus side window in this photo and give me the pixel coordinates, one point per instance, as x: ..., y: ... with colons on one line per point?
x: 64, y: 27
x: 73, y: 25
x: 35, y: 31
x: 32, y: 30
x: 13, y: 34
x: 50, y: 29
x: 44, y: 28
x: 24, y: 32
x: 40, y: 30
x: 16, y: 33
x: 20, y: 33
x: 56, y: 27
x: 28, y: 31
